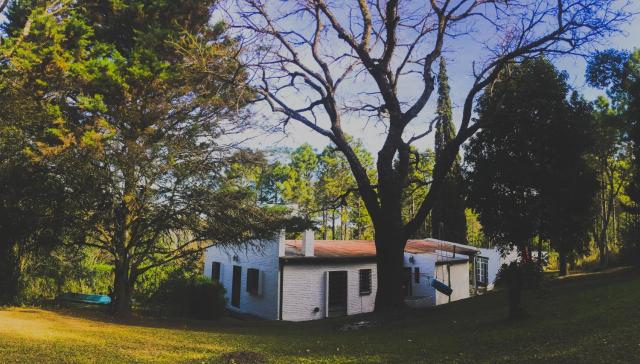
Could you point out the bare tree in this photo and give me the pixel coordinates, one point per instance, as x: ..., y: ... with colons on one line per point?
x: 310, y: 55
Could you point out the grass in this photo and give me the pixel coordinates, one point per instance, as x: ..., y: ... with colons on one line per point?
x: 591, y: 318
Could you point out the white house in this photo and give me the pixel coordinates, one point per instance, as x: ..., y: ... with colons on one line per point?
x: 308, y: 279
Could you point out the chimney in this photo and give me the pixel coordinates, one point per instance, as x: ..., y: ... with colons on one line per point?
x: 307, y: 243
x: 281, y: 246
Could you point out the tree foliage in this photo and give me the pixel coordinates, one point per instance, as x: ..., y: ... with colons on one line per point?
x: 448, y: 218
x: 529, y: 169
x: 618, y: 72
x: 123, y: 99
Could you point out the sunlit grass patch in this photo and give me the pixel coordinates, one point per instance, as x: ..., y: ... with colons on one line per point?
x: 592, y: 318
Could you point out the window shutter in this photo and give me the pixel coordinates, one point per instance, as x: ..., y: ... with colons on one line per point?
x: 216, y: 268
x: 254, y: 281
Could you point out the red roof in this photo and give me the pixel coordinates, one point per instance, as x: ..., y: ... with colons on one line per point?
x: 367, y: 248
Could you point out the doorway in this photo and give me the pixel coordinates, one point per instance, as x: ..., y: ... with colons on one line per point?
x: 337, y: 293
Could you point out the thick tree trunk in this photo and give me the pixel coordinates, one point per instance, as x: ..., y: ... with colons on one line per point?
x: 515, y: 287
x: 9, y: 277
x: 390, y: 259
x: 603, y: 255
x: 123, y: 290
x: 562, y: 262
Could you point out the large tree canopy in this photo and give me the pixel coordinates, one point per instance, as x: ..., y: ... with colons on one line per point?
x: 529, y: 171
x: 122, y: 97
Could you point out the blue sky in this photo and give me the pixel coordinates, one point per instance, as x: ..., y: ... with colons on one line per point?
x: 459, y: 58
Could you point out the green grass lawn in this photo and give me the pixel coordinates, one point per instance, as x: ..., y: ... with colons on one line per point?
x: 591, y: 318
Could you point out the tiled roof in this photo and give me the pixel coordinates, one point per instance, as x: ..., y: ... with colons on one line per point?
x: 367, y: 248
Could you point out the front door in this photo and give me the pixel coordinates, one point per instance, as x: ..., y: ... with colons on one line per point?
x: 337, y: 294
x: 235, y: 286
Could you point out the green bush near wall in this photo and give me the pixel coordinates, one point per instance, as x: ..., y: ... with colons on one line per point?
x: 198, y: 298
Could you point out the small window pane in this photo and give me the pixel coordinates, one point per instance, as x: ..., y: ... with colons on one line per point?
x: 365, y: 282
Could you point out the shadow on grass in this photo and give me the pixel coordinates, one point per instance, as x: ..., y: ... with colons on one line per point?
x: 490, y: 308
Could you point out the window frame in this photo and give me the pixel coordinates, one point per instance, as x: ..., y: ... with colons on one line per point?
x: 482, y: 271
x: 364, y: 278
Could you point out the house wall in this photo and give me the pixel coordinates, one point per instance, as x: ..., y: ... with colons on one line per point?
x: 423, y: 295
x: 262, y: 256
x: 459, y: 282
x: 304, y: 289
x: 496, y: 260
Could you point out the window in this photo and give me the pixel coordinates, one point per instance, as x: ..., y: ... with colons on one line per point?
x: 416, y: 274
x: 482, y: 265
x: 215, y: 271
x: 365, y: 282
x: 253, y: 281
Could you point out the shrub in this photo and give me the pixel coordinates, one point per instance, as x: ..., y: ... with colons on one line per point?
x: 198, y: 298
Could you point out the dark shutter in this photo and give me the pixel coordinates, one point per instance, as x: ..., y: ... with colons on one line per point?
x: 416, y: 274
x: 215, y: 271
x: 253, y: 278
x: 235, y: 286
x: 365, y: 282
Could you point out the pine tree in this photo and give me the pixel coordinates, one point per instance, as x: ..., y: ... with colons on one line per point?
x: 143, y: 92
x: 448, y: 219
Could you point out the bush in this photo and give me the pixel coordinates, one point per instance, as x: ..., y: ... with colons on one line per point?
x: 198, y: 298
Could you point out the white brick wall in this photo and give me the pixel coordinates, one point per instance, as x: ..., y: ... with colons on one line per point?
x: 264, y: 259
x: 305, y: 285
x: 304, y: 290
x: 495, y: 262
x: 422, y: 290
x: 459, y: 282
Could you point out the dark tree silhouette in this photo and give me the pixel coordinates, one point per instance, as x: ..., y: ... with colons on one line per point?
x: 448, y: 219
x: 528, y: 170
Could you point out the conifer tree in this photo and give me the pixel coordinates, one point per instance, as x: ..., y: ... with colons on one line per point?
x: 448, y: 219
x: 122, y: 100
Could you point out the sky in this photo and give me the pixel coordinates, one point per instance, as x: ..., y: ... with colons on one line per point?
x: 459, y: 59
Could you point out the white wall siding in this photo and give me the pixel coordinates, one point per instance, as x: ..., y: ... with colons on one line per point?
x: 459, y: 282
x: 495, y: 262
x: 304, y: 290
x: 423, y: 295
x: 265, y: 259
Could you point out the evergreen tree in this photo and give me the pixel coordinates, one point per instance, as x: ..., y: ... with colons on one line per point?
x: 420, y: 174
x: 528, y: 170
x: 618, y: 72
x: 298, y: 187
x: 122, y: 99
x: 448, y: 219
